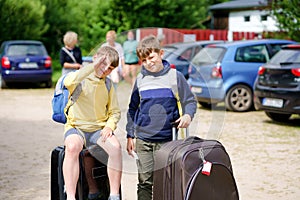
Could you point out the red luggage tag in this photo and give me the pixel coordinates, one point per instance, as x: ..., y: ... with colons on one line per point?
x: 206, y: 168
x: 206, y: 164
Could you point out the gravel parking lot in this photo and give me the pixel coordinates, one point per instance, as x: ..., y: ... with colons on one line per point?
x: 265, y: 155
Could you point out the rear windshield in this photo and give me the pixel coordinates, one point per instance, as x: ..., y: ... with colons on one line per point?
x: 208, y: 55
x: 286, y: 56
x: 26, y: 50
x: 168, y: 51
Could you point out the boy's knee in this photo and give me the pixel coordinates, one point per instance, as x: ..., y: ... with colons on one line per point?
x: 115, y: 151
x: 73, y: 148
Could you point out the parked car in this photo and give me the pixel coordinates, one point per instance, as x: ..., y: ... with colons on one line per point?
x: 25, y: 61
x: 277, y: 87
x: 179, y: 55
x: 226, y: 72
x: 87, y: 59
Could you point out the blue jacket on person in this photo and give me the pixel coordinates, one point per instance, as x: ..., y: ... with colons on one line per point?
x: 153, y: 105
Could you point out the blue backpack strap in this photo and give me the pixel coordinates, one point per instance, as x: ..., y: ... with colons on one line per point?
x: 59, y: 85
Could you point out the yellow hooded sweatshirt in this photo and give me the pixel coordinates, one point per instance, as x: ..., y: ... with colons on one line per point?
x: 96, y: 107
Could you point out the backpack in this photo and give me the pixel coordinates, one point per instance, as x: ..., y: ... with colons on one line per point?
x: 61, y: 98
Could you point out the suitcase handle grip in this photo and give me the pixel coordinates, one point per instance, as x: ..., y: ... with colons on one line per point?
x: 193, y: 139
x: 175, y: 131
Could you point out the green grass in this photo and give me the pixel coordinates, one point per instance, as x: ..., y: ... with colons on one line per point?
x: 56, y: 73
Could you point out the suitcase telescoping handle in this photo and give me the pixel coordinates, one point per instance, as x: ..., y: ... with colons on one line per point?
x: 175, y: 131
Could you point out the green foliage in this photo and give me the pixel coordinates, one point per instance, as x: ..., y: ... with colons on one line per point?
x: 22, y: 19
x: 56, y: 67
x: 49, y: 20
x: 61, y: 18
x: 288, y: 16
x: 168, y: 13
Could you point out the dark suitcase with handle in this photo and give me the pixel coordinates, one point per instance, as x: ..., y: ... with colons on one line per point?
x: 193, y: 169
x: 57, y: 186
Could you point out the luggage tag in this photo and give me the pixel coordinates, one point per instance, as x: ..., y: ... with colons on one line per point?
x: 206, y: 169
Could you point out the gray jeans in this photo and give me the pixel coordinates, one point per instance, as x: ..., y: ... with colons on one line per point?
x: 145, y: 163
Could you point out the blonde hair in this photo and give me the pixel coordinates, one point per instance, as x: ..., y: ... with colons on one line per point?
x: 70, y: 38
x: 111, y: 33
x: 111, y: 53
x: 148, y: 45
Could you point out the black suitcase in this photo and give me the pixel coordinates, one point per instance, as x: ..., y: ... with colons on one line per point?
x: 99, y: 172
x: 179, y: 173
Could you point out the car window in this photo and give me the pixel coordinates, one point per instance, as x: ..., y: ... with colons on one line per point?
x: 275, y: 48
x: 197, y: 49
x: 208, y: 55
x: 25, y: 50
x: 286, y: 56
x: 257, y: 53
x: 168, y: 51
x: 186, y: 55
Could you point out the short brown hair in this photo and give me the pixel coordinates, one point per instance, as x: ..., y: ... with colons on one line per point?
x: 147, y: 45
x: 112, y: 54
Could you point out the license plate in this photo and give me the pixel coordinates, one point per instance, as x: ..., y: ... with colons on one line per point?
x: 28, y: 65
x: 196, y: 89
x: 277, y: 103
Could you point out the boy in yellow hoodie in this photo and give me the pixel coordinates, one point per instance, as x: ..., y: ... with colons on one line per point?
x: 92, y: 119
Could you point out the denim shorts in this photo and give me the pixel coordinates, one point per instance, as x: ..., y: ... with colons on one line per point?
x: 90, y: 138
x: 90, y: 143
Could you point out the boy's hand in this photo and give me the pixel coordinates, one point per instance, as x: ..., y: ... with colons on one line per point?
x: 130, y: 146
x: 106, y: 133
x: 184, y: 121
x: 100, y: 65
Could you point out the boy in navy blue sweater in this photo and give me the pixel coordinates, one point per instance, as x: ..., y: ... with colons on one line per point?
x: 153, y: 108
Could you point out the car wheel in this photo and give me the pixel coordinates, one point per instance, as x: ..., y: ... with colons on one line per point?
x: 239, y: 98
x: 278, y: 116
x: 207, y: 105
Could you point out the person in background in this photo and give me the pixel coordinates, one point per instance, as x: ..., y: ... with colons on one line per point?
x: 70, y: 55
x: 153, y: 109
x: 131, y: 66
x: 92, y: 120
x: 111, y: 41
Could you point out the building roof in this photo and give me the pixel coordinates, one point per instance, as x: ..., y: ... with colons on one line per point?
x: 239, y: 4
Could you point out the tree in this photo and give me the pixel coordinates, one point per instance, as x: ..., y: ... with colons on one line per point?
x: 168, y: 13
x: 60, y: 17
x: 287, y: 14
x: 87, y: 18
x: 22, y: 19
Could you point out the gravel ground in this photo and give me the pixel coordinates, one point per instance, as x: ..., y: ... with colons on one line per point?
x: 264, y: 154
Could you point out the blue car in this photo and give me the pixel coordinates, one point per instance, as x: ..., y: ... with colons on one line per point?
x: 227, y: 72
x: 180, y: 54
x: 25, y: 61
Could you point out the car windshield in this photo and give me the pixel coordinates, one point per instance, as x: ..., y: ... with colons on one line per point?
x: 208, y: 55
x: 168, y: 51
x: 286, y: 56
x: 25, y: 50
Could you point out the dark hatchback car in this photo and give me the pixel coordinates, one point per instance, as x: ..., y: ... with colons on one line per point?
x: 277, y: 87
x: 180, y: 54
x: 25, y: 61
